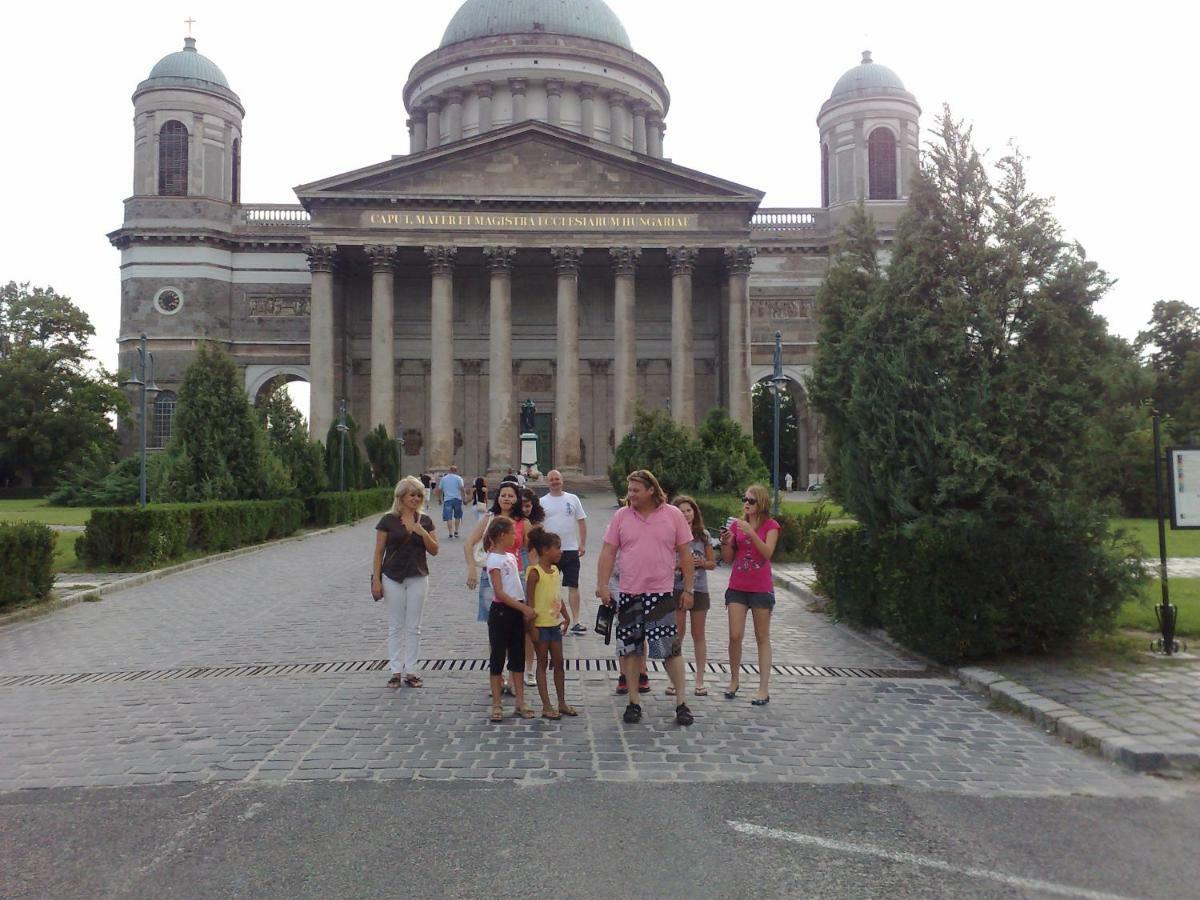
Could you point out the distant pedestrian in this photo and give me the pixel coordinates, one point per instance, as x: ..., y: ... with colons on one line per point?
x: 451, y: 490
x: 704, y: 561
x: 787, y: 482
x: 749, y: 543
x: 400, y: 573
x: 508, y: 618
x: 566, y: 518
x: 427, y: 483
x: 542, y: 586
x: 479, y: 497
x: 650, y: 535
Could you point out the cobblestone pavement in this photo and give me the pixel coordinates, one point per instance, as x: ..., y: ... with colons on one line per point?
x: 307, y: 602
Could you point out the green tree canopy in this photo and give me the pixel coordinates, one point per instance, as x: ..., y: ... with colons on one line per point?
x: 287, y: 437
x: 732, y: 460
x: 665, y: 448
x: 53, y: 410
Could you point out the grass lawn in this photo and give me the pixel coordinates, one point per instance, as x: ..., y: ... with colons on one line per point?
x: 64, y: 552
x: 1185, y: 594
x: 40, y: 511
x: 1145, y: 532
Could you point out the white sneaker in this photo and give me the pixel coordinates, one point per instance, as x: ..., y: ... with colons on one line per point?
x: 530, y: 680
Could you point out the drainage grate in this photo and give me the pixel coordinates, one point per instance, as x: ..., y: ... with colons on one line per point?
x: 607, y: 664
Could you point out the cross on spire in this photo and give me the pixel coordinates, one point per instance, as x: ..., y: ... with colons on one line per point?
x: 189, y: 21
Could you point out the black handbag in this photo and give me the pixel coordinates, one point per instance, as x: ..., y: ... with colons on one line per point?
x: 604, y: 622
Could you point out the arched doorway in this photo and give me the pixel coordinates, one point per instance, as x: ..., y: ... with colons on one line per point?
x: 263, y: 381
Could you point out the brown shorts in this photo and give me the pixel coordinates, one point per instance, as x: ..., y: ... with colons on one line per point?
x: 702, y: 602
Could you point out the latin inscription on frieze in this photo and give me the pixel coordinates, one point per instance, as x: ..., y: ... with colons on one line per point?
x: 507, y: 221
x: 264, y: 306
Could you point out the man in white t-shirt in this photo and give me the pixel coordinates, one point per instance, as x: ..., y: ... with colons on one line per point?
x: 451, y: 489
x: 566, y: 518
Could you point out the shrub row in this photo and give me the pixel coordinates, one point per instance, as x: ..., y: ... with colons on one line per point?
x: 334, y: 508
x: 957, y: 592
x: 796, y: 533
x: 26, y: 556
x: 138, y: 537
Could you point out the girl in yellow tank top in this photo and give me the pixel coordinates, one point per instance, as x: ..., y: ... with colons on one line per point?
x: 543, y: 584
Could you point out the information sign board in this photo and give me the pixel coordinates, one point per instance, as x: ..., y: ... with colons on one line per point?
x: 1183, y: 477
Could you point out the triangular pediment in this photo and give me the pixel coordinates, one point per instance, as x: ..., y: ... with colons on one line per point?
x: 529, y: 162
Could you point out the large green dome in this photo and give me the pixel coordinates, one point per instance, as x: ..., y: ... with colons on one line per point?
x: 190, y: 66
x: 580, y: 18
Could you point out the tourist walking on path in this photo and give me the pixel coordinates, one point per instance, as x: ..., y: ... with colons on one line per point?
x: 543, y: 582
x: 650, y: 534
x: 479, y: 497
x: 507, y: 504
x: 451, y: 490
x: 566, y: 518
x: 748, y: 544
x: 508, y: 618
x: 704, y: 561
x: 404, y: 540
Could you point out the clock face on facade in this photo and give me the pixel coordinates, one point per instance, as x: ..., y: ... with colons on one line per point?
x: 168, y: 301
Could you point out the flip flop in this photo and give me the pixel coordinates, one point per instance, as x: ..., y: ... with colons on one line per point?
x: 670, y: 690
x: 729, y: 695
x: 497, y: 714
x: 568, y: 710
x: 525, y: 712
x: 701, y: 692
x: 551, y: 714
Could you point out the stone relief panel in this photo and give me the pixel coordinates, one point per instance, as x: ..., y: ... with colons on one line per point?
x: 264, y: 306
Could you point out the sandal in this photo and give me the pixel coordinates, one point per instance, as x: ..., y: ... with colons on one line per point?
x: 568, y: 710
x: 731, y: 692
x: 525, y: 712
x: 395, y: 681
x: 414, y: 681
x: 497, y: 713
x: 701, y: 691
x: 670, y: 690
x: 548, y: 713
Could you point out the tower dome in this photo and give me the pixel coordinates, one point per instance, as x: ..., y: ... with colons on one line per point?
x: 577, y: 18
x: 188, y: 65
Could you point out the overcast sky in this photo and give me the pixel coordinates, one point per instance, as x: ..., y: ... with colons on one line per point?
x: 1094, y: 94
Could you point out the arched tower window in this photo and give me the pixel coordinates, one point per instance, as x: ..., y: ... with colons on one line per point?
x: 825, y: 175
x: 881, y: 164
x: 161, y: 420
x: 173, y: 160
x: 237, y: 171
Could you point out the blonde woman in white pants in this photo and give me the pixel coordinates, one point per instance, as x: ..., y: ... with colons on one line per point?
x: 404, y: 540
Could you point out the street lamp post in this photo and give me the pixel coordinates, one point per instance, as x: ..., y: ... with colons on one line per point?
x: 778, y: 380
x: 342, y: 428
x: 400, y: 448
x: 143, y: 380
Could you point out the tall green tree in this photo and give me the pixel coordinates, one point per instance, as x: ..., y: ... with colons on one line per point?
x: 732, y: 460
x: 383, y: 456
x: 219, y: 450
x: 287, y: 437
x: 344, y: 463
x: 53, y: 410
x: 762, y: 405
x: 1171, y: 347
x: 664, y: 447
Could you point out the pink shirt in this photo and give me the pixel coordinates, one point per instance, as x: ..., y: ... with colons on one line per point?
x: 648, y: 547
x: 751, y: 570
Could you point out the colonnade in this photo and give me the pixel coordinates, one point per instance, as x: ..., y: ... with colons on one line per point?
x: 502, y: 431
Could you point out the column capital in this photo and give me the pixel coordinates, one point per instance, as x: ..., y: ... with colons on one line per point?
x: 441, y: 258
x: 382, y: 256
x: 654, y: 118
x: 500, y: 259
x: 554, y: 87
x: 739, y: 260
x: 640, y: 107
x: 567, y: 259
x: 625, y: 259
x: 321, y: 257
x: 518, y: 85
x: 617, y: 98
x: 431, y: 104
x: 682, y: 259
x: 453, y: 96
x: 484, y: 88
x: 587, y: 90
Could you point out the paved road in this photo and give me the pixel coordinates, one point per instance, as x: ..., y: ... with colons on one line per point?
x: 205, y: 732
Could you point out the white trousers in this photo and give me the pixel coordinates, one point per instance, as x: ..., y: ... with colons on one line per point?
x: 405, y: 601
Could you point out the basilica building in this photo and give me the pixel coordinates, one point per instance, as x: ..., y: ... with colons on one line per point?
x: 540, y: 240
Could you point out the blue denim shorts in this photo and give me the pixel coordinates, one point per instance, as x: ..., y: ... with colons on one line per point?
x: 553, y: 633
x: 486, y: 594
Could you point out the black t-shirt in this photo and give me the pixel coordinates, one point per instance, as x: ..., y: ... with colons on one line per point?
x: 426, y: 480
x: 479, y: 494
x: 404, y: 553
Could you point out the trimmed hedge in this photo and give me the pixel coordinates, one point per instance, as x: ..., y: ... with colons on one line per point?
x: 335, y: 508
x: 796, y: 531
x: 138, y: 537
x: 26, y: 556
x: 957, y: 592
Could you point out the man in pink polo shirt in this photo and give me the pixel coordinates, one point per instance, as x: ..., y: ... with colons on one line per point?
x: 653, y: 539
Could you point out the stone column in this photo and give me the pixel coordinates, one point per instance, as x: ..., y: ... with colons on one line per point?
x: 738, y: 262
x: 554, y: 91
x: 502, y: 427
x: 654, y: 126
x: 433, y: 122
x: 441, y: 359
x: 420, y: 138
x: 567, y: 456
x: 517, y: 87
x: 639, y: 126
x: 383, y: 336
x: 454, y: 115
x: 587, y: 109
x: 683, y: 390
x: 483, y: 89
x: 624, y: 260
x: 616, y: 118
x: 322, y: 259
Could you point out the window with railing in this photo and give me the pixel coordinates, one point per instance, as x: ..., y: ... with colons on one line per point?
x: 825, y: 175
x: 161, y: 421
x: 881, y: 164
x: 173, y: 160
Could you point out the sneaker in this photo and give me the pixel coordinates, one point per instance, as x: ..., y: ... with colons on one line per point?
x: 578, y: 628
x: 643, y: 683
x: 633, y: 714
x: 683, y: 715
x: 622, y: 686
x: 530, y: 679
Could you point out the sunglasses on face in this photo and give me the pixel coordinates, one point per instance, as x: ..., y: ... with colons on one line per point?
x: 750, y: 500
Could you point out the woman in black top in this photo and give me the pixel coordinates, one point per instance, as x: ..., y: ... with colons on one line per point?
x: 479, y: 497
x: 404, y: 539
